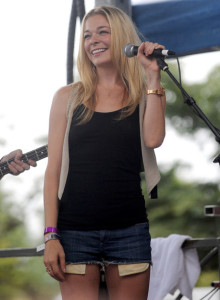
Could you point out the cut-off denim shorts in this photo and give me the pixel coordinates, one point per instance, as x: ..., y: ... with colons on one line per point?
x: 126, y: 246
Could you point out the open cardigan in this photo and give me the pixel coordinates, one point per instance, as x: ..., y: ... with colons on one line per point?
x: 151, y: 171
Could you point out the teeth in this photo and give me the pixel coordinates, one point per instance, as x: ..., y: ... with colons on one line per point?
x: 98, y: 51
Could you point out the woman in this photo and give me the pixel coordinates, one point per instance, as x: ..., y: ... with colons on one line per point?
x: 96, y: 144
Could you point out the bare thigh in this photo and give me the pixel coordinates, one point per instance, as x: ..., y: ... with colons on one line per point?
x: 81, y: 287
x: 130, y: 287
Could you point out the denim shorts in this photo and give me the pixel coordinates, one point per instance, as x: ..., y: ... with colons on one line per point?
x: 130, y: 245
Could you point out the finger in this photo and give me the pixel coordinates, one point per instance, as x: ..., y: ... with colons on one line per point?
x: 147, y: 48
x: 13, y: 169
x: 54, y: 270
x: 141, y: 47
x: 157, y: 46
x: 62, y: 263
x: 23, y: 165
x: 57, y: 273
x: 16, y: 154
x: 142, y: 50
x: 150, y: 48
x: 32, y: 163
x: 49, y: 270
x: 16, y: 168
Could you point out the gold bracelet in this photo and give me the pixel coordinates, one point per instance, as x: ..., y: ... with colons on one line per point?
x: 160, y: 92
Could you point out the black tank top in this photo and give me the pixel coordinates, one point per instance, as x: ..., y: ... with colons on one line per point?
x: 103, y: 188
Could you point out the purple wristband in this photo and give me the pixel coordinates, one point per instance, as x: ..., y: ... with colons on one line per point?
x: 50, y: 229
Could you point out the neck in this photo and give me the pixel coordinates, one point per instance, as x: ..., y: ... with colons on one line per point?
x: 108, y: 78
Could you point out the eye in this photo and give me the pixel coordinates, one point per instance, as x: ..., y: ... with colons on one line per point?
x: 102, y: 32
x: 86, y: 36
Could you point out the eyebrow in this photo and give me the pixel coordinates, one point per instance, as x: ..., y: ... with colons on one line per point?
x: 100, y: 27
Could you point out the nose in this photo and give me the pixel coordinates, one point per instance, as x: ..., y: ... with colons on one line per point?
x: 94, y: 39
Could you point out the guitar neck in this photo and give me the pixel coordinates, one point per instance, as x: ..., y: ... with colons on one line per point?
x: 35, y: 155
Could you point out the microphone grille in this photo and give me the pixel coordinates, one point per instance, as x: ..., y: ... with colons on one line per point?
x: 128, y: 50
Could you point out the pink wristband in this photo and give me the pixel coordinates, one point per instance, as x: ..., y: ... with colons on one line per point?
x: 50, y: 229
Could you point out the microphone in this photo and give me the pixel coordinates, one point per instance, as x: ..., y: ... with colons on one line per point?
x: 131, y: 50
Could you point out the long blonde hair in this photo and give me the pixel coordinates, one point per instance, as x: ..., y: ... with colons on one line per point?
x: 123, y: 31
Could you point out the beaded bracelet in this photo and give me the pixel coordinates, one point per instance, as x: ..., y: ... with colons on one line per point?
x: 51, y: 236
x: 50, y: 229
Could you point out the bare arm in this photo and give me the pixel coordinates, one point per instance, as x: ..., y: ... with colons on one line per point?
x: 154, y: 117
x: 54, y: 255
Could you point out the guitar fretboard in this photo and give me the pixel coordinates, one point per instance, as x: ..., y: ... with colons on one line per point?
x: 35, y: 155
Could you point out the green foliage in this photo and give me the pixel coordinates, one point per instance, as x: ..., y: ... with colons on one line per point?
x: 12, y: 229
x: 180, y: 207
x: 206, y: 96
x: 21, y: 278
x: 206, y: 278
x: 25, y: 278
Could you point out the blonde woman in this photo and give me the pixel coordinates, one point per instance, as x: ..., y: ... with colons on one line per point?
x: 102, y: 130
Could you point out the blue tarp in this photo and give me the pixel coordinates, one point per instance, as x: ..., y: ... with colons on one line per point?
x: 184, y: 26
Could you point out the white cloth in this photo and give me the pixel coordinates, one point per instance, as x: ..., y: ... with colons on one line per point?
x: 173, y: 267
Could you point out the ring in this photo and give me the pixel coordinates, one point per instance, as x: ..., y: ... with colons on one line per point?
x: 48, y: 270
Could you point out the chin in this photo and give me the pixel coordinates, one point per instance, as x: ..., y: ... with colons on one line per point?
x: 102, y: 63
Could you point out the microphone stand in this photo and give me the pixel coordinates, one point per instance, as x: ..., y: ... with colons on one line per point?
x: 190, y: 101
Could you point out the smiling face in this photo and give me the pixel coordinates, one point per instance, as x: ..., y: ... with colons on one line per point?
x: 97, y: 40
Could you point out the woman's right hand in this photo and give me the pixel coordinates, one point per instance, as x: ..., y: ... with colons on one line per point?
x: 54, y: 260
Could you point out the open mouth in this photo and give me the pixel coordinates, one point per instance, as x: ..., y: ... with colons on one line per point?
x: 96, y: 51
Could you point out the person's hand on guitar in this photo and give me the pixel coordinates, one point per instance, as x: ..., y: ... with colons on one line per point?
x: 17, y: 166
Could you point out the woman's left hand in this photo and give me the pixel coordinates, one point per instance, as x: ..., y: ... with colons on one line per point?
x: 148, y: 62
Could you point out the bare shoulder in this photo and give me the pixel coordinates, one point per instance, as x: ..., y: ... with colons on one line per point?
x: 63, y: 95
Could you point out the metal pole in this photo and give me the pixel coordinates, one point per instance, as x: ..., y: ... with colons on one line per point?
x: 77, y: 10
x: 70, y: 42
